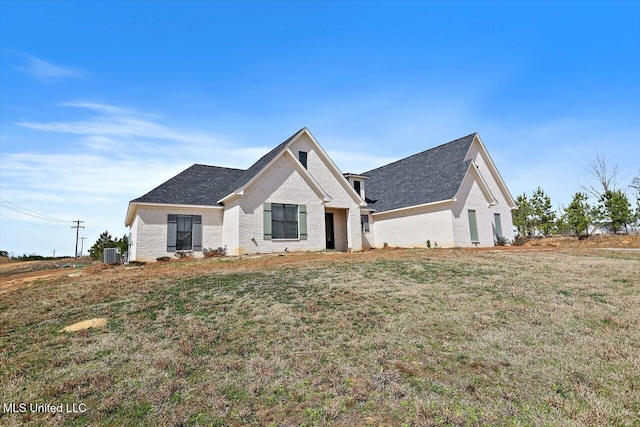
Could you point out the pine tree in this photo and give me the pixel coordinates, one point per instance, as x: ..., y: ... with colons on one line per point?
x: 542, y: 211
x: 522, y: 214
x: 562, y: 223
x: 104, y: 241
x: 616, y: 210
x: 578, y: 215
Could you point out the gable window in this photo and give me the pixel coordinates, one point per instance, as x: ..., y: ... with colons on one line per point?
x: 284, y: 221
x: 356, y: 186
x: 473, y: 226
x: 498, y: 222
x: 364, y: 223
x: 302, y: 156
x: 184, y: 233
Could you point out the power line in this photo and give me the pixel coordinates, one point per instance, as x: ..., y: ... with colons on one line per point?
x: 26, y: 213
x: 32, y: 223
x: 9, y: 205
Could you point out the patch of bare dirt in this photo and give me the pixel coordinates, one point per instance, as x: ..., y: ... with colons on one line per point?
x: 96, y: 323
x: 598, y: 241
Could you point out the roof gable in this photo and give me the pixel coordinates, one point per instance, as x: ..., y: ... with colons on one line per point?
x: 265, y: 161
x: 430, y: 176
x: 502, y: 186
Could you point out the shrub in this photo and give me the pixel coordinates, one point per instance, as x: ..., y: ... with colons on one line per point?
x: 519, y: 241
x: 220, y: 251
x: 163, y: 259
x: 429, y: 244
x: 184, y: 254
x: 501, y: 241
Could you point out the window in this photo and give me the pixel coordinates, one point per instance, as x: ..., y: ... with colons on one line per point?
x: 473, y: 226
x: 364, y: 223
x: 183, y: 238
x: 302, y: 156
x: 284, y: 221
x: 184, y: 233
x: 356, y: 186
x: 498, y: 222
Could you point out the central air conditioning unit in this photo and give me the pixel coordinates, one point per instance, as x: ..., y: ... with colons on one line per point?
x: 112, y: 256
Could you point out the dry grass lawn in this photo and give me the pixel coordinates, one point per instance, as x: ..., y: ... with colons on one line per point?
x: 400, y: 337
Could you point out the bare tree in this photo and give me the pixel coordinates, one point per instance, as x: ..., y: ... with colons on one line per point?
x: 635, y: 184
x: 602, y: 177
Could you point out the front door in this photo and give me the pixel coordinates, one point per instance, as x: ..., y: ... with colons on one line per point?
x: 328, y: 224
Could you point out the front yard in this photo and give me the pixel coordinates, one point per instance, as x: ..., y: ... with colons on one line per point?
x: 414, y: 337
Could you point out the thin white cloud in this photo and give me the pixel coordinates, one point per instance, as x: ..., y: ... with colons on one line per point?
x: 47, y: 71
x: 108, y: 109
x: 119, y: 122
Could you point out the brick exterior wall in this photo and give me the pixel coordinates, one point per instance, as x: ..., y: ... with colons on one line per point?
x: 279, y: 184
x: 412, y: 228
x: 150, y: 230
x: 239, y: 226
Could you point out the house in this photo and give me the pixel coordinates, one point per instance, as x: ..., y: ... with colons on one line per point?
x: 296, y: 199
x: 593, y: 229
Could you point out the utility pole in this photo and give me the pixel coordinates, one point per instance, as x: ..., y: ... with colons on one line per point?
x: 81, y: 245
x: 77, y: 227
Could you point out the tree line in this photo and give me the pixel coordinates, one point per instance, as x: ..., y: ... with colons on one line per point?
x: 611, y: 210
x: 106, y: 241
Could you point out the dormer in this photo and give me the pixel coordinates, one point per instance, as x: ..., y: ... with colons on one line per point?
x: 357, y: 182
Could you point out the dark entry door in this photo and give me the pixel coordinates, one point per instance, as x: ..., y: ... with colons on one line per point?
x: 328, y: 221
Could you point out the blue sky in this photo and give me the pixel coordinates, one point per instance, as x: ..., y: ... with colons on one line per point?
x: 102, y: 101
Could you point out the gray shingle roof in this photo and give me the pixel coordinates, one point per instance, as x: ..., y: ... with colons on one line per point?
x: 429, y: 176
x: 205, y: 185
x: 196, y: 185
x: 426, y: 177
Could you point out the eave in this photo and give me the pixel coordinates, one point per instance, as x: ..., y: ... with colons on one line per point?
x: 133, y: 208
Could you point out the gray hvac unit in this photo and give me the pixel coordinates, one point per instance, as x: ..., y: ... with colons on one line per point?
x: 112, y: 256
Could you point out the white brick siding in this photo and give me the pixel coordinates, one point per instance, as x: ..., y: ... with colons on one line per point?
x: 149, y: 230
x: 231, y: 227
x: 335, y: 187
x: 239, y: 226
x: 412, y: 228
x: 470, y: 197
x: 502, y: 207
x: 281, y: 183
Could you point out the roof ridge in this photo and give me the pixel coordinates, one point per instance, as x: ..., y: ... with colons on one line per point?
x: 264, y: 160
x: 421, y: 152
x: 215, y: 166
